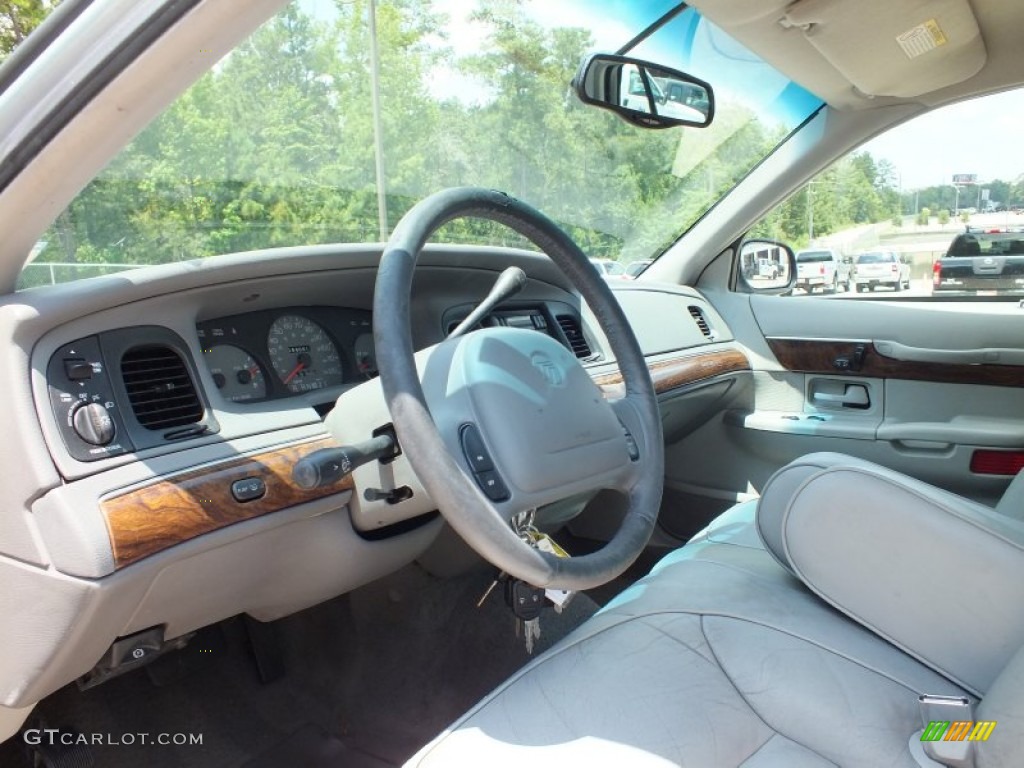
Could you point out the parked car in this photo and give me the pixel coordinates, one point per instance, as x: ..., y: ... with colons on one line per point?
x: 982, y: 262
x: 609, y: 268
x: 823, y: 269
x: 875, y: 268
x: 634, y: 268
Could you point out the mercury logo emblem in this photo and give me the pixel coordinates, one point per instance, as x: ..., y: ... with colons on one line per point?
x: 988, y: 261
x: 551, y: 372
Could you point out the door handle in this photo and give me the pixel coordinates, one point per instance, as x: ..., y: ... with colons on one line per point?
x: 854, y: 396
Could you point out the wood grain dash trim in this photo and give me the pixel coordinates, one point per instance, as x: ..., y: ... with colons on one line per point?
x: 680, y: 371
x: 817, y: 356
x: 175, y: 509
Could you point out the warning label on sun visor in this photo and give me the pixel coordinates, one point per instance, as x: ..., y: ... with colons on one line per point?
x: 921, y: 39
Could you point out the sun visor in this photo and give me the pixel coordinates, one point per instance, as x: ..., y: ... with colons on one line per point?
x: 916, y: 47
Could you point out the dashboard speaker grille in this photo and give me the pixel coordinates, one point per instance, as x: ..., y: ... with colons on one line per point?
x: 571, y: 328
x: 159, y: 387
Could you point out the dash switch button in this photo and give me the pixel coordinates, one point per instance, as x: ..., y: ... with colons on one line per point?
x: 77, y: 370
x: 249, y: 489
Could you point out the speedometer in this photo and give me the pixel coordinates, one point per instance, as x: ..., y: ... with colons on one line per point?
x: 303, y: 355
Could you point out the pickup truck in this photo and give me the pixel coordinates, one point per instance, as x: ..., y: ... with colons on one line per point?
x: 876, y: 268
x: 822, y: 268
x: 676, y: 103
x: 981, y: 263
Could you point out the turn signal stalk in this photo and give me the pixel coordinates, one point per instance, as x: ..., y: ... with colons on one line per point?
x: 327, y: 466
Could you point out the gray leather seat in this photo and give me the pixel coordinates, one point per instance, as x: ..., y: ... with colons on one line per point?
x: 723, y: 657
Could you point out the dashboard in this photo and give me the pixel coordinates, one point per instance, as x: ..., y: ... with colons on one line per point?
x: 159, y: 414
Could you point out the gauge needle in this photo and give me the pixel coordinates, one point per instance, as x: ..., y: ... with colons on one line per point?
x: 295, y: 372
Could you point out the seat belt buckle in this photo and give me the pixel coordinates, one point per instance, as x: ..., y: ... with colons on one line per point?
x: 950, y: 731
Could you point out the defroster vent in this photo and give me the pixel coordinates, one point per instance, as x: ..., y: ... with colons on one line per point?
x: 159, y: 387
x: 571, y: 328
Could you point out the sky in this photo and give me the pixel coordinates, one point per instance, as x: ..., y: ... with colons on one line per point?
x: 984, y: 136
x: 467, y: 38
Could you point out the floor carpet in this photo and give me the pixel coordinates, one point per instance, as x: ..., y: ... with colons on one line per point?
x: 368, y: 678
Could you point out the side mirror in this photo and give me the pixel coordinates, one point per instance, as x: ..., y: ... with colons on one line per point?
x: 645, y: 94
x: 766, y: 266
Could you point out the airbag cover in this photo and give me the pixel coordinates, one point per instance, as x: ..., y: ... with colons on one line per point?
x: 545, y: 420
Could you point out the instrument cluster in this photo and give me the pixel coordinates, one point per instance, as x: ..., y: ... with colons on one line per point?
x: 279, y: 353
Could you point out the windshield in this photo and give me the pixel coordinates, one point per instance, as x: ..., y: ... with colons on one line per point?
x: 874, y: 258
x: 993, y: 243
x: 812, y: 256
x: 278, y: 144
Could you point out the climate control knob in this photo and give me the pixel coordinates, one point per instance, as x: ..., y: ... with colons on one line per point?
x: 93, y: 424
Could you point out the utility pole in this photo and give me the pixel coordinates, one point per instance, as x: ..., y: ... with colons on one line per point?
x: 378, y: 132
x: 810, y: 215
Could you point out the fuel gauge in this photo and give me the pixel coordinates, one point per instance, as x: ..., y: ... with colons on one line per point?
x: 237, y: 375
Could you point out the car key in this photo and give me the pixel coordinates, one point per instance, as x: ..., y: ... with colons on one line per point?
x: 502, y: 576
x: 526, y: 602
x: 559, y: 597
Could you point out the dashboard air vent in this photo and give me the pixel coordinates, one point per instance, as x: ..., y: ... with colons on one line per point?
x: 571, y: 328
x: 698, y: 317
x: 159, y: 387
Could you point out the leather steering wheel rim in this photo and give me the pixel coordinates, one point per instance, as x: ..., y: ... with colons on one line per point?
x: 458, y: 498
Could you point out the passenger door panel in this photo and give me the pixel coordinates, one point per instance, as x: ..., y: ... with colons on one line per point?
x: 919, y: 387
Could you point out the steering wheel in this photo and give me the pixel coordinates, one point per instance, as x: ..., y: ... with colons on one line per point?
x: 503, y: 420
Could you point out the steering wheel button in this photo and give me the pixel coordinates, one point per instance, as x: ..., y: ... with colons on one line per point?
x: 492, y: 485
x: 474, y: 449
x: 632, y: 447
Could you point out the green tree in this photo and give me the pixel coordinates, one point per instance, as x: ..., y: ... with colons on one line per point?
x: 17, y: 20
x: 856, y: 190
x: 275, y: 146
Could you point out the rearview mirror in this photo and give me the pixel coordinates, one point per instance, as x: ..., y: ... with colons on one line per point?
x: 645, y: 94
x: 766, y: 266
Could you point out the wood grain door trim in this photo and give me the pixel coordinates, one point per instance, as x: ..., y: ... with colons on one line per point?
x: 819, y: 356
x: 680, y: 371
x: 178, y: 508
